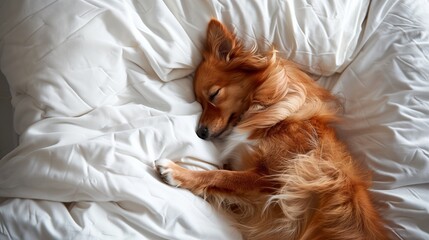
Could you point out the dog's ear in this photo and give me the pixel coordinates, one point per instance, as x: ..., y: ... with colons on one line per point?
x: 220, y: 41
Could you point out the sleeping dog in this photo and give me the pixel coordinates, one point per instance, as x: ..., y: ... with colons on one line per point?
x: 290, y: 177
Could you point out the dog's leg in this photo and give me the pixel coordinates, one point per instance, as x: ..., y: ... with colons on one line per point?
x: 236, y: 183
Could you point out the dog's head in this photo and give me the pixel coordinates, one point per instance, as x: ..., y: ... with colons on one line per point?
x: 223, y: 82
x: 236, y: 85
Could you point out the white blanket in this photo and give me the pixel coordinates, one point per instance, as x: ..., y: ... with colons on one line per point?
x: 101, y: 89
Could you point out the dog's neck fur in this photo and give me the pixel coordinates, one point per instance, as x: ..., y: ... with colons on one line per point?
x: 275, y: 98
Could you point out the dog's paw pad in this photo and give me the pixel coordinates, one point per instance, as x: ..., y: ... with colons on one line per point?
x: 165, y: 170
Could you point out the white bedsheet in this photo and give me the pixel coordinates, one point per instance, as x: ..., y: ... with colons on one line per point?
x: 101, y: 89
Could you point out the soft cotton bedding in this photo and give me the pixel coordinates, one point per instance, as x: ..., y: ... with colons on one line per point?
x: 102, y: 89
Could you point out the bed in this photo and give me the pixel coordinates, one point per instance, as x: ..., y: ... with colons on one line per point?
x: 93, y: 92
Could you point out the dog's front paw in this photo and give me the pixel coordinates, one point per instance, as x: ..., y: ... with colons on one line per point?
x: 165, y: 169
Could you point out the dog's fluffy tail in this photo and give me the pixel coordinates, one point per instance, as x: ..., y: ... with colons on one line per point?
x: 324, y: 200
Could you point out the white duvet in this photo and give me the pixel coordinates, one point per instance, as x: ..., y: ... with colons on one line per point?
x: 102, y: 89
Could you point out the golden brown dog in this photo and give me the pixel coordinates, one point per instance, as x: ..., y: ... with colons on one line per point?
x: 291, y: 177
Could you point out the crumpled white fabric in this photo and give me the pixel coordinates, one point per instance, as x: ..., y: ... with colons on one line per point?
x: 101, y: 89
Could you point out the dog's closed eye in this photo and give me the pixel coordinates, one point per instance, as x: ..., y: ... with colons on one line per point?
x: 213, y: 95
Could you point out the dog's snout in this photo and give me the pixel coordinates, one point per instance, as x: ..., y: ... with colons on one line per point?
x: 203, y: 132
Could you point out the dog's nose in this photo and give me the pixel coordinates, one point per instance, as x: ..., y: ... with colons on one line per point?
x: 203, y: 132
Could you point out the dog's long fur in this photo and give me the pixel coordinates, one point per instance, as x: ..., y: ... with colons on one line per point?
x: 291, y: 177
